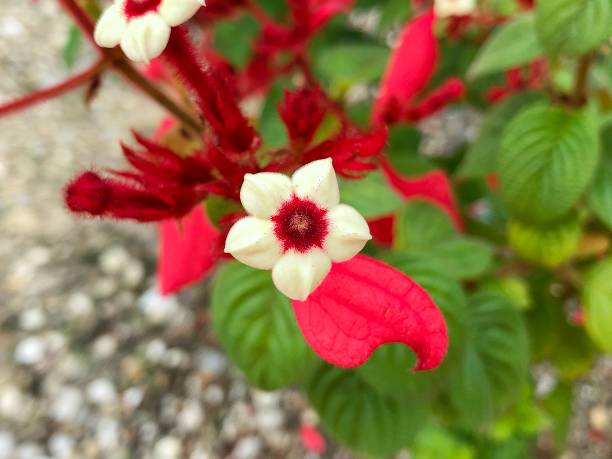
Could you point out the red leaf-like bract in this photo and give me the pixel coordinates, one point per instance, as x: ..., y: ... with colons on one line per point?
x: 410, y: 67
x: 189, y: 249
x: 364, y: 303
x: 433, y: 187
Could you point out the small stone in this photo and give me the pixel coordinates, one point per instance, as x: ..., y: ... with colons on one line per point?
x: 168, y: 448
x: 61, y: 445
x: 190, y: 417
x: 269, y: 419
x: 133, y: 397
x: 248, y: 448
x: 32, y: 319
x: 113, y: 260
x: 67, y: 405
x: 108, y: 434
x: 80, y: 305
x: 211, y: 361
x: 7, y: 445
x: 31, y: 350
x: 213, y: 395
x: 30, y: 451
x: 104, y: 347
x: 175, y: 358
x: 104, y: 287
x: 101, y: 392
x: 11, y: 401
x: 157, y: 308
x: 133, y: 274
x: 155, y: 350
x: 599, y: 418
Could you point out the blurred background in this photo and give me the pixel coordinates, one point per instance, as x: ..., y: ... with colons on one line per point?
x: 93, y: 362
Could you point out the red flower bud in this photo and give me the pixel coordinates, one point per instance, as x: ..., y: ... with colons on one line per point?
x: 302, y: 112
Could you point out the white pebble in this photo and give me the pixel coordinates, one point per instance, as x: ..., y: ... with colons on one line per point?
x: 213, y: 395
x: 80, y: 305
x: 190, y: 417
x: 7, y: 445
x: 155, y: 350
x: 67, y: 405
x: 108, y: 434
x: 168, y: 448
x: 101, y: 392
x: 211, y: 361
x: 133, y: 274
x: 133, y: 397
x: 113, y: 260
x: 157, y: 308
x: 32, y: 319
x: 30, y: 351
x: 247, y: 448
x: 104, y: 346
x: 61, y: 445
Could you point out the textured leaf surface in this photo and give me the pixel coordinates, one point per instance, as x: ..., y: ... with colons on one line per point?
x: 597, y: 298
x: 547, y: 245
x: 364, y: 303
x: 256, y: 327
x: 511, y: 45
x: 358, y: 416
x: 599, y: 197
x: 189, y: 249
x: 420, y: 225
x: 494, y: 365
x: 348, y: 64
x: 548, y: 158
x: 573, y: 26
x: 481, y: 157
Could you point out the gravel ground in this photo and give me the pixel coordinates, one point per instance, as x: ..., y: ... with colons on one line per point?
x: 93, y: 363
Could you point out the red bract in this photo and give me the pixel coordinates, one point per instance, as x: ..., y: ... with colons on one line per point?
x: 312, y: 440
x: 189, y: 248
x: 410, y: 67
x: 302, y: 112
x: 353, y: 153
x: 364, y: 303
x: 434, y: 187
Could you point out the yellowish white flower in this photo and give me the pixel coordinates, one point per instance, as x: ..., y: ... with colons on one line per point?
x: 296, y: 227
x: 447, y: 8
x: 142, y: 27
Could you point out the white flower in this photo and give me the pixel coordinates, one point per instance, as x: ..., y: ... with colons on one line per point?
x: 446, y: 8
x: 296, y: 227
x: 142, y: 27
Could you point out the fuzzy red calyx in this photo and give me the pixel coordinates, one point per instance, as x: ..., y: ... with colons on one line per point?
x: 88, y: 193
x: 302, y: 111
x: 300, y: 225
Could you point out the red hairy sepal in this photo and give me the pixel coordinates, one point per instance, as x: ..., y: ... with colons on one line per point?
x: 364, y: 303
x: 410, y: 67
x: 302, y: 111
x: 189, y: 248
x: 88, y: 193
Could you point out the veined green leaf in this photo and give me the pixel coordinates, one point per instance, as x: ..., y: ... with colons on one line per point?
x: 597, y: 299
x: 371, y: 196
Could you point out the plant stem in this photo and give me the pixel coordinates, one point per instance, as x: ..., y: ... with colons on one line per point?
x: 579, y: 96
x: 54, y: 91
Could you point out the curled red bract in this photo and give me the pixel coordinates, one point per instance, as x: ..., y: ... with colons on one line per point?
x: 364, y: 303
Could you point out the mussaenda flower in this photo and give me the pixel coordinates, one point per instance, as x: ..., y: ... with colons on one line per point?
x: 142, y: 27
x: 296, y: 227
x: 446, y: 8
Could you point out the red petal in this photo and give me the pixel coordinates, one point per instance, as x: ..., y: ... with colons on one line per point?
x: 410, y: 66
x: 189, y: 249
x: 381, y: 229
x: 312, y: 440
x: 364, y: 303
x: 433, y: 187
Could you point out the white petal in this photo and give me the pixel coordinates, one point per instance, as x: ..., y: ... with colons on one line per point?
x: 317, y: 182
x: 348, y: 233
x: 297, y: 275
x: 175, y: 12
x: 110, y: 27
x: 262, y: 194
x: 251, y: 240
x: 145, y: 38
x: 446, y: 8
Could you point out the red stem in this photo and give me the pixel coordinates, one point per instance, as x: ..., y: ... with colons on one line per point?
x: 54, y: 91
x: 82, y: 19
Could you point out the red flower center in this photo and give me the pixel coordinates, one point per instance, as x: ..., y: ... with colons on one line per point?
x: 301, y: 225
x: 135, y: 8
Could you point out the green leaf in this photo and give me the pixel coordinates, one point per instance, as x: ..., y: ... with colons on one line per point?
x: 72, y: 46
x: 271, y: 126
x: 371, y: 196
x: 597, y: 299
x: 511, y: 45
x: 349, y: 63
x: 547, y: 245
x: 435, y: 443
x: 493, y: 369
x: 548, y: 158
x: 386, y: 369
x: 481, y: 157
x: 218, y: 207
x: 234, y: 39
x: 573, y: 26
x: 358, y: 416
x: 599, y: 197
x: 421, y: 225
x: 256, y: 327
x: 514, y: 288
x: 403, y: 151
